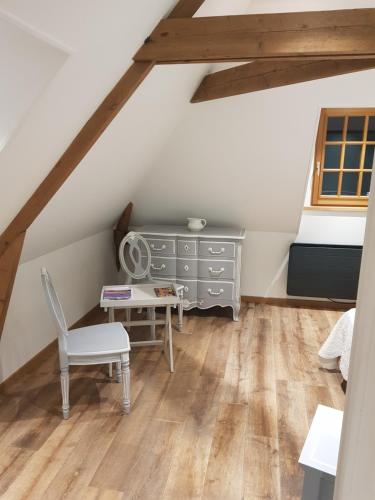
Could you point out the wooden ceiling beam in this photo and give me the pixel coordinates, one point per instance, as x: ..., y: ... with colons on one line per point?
x: 262, y: 75
x: 320, y: 34
x: 11, y: 240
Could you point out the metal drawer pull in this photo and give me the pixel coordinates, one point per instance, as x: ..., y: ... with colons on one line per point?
x: 158, y: 268
x: 186, y: 248
x: 186, y: 267
x: 218, y: 252
x: 158, y: 249
x: 186, y: 289
x: 215, y: 293
x: 216, y: 271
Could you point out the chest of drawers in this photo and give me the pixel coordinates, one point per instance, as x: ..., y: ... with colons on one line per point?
x: 206, y: 263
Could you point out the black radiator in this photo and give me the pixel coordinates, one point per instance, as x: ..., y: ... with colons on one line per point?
x: 325, y: 271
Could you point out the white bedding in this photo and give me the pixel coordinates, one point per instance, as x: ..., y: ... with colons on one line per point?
x: 338, y: 344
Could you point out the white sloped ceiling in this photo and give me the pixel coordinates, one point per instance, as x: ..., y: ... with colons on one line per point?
x: 242, y: 160
x: 101, y: 39
x: 245, y: 160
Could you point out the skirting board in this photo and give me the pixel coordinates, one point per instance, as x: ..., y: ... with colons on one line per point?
x: 89, y: 318
x: 306, y: 303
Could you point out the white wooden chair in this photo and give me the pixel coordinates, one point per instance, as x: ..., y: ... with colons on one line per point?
x: 91, y: 345
x: 135, y: 261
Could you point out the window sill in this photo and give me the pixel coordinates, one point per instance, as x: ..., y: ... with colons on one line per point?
x: 334, y: 209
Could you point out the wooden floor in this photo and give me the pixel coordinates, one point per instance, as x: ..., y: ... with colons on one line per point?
x: 228, y: 424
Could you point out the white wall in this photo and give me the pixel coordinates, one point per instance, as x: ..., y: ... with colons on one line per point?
x: 245, y: 161
x: 27, y: 65
x: 78, y: 271
x: 347, y: 228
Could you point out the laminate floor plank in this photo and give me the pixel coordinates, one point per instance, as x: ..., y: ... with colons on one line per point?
x: 188, y: 470
x: 238, y: 372
x: 224, y: 476
x: 261, y: 469
x: 230, y: 423
x: 217, y: 354
x: 262, y: 417
x: 292, y: 431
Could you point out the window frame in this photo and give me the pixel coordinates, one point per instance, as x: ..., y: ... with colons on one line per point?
x: 317, y: 199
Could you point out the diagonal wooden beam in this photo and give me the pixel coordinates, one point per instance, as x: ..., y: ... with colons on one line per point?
x: 185, y: 8
x: 261, y: 75
x: 11, y: 240
x: 324, y: 34
x: 8, y: 269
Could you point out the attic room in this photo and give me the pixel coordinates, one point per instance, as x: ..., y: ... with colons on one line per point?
x: 187, y: 231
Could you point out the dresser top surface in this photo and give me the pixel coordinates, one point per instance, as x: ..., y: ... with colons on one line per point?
x: 183, y: 231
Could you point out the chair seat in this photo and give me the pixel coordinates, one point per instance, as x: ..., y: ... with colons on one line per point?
x: 108, y: 338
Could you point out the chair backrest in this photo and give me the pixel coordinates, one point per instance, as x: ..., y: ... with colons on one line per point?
x: 135, y: 256
x: 55, y: 307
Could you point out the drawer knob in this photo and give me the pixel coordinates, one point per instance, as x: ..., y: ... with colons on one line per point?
x: 216, y: 271
x: 157, y: 268
x: 186, y: 248
x: 216, y: 252
x: 186, y: 267
x: 186, y: 289
x: 211, y: 292
x: 158, y: 249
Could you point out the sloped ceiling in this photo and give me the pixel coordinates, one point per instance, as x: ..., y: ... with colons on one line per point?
x: 28, y: 64
x: 101, y: 39
x: 245, y: 160
x: 242, y: 160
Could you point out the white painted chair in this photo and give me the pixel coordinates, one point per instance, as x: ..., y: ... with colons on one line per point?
x: 91, y: 345
x: 135, y: 261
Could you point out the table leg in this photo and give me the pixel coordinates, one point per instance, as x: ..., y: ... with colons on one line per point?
x: 128, y: 317
x: 170, y: 339
x: 111, y: 319
x: 118, y: 372
x: 151, y: 315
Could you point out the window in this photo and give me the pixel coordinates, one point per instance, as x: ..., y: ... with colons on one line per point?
x: 344, y: 157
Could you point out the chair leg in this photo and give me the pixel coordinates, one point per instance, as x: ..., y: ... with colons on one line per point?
x: 125, y: 375
x: 110, y: 370
x: 64, y: 378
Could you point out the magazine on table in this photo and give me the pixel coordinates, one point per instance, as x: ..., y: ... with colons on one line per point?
x: 117, y: 293
x: 165, y: 291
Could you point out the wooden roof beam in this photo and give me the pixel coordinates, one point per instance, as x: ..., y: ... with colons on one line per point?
x: 313, y: 35
x: 262, y: 75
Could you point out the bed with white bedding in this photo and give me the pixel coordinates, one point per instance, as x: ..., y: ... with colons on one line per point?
x: 338, y: 344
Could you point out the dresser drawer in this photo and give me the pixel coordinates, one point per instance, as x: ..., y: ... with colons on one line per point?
x: 217, y: 249
x: 220, y: 269
x: 162, y: 247
x: 215, y: 290
x: 187, y: 268
x: 190, y: 290
x: 186, y: 248
x: 163, y: 267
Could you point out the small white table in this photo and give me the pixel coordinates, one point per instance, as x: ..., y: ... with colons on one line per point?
x: 320, y: 453
x: 143, y: 296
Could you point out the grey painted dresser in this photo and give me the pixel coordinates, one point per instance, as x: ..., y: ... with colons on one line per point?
x: 207, y: 263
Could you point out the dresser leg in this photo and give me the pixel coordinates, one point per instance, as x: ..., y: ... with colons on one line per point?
x: 236, y: 312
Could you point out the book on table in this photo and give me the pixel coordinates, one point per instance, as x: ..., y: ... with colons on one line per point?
x: 117, y: 293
